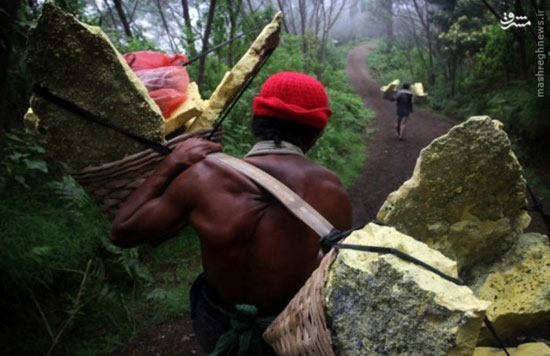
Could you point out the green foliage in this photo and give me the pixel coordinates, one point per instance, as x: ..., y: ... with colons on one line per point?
x: 175, y: 264
x: 23, y: 160
x: 389, y: 63
x: 51, y: 232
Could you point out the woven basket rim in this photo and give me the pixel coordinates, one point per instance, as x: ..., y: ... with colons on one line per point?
x: 145, y: 153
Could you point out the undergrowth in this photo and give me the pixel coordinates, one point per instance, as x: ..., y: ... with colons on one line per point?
x: 60, y: 276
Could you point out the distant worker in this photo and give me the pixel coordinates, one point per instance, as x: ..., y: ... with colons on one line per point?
x: 256, y: 254
x: 403, y: 100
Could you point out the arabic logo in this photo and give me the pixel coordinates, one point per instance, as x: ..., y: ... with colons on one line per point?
x: 509, y: 19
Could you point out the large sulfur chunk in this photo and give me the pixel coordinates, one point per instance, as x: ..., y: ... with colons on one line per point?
x: 380, y: 304
x: 465, y: 196
x: 191, y: 108
x: 529, y: 349
x: 388, y: 91
x: 518, y: 286
x: 78, y: 63
x: 236, y: 79
x: 419, y: 94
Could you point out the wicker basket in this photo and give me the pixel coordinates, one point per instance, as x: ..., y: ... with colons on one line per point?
x: 111, y: 183
x: 301, y: 328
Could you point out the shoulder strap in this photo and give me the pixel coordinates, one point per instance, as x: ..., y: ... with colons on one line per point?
x: 297, y: 206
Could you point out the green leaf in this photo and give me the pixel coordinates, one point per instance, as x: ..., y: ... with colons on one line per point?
x: 36, y: 165
x: 41, y: 250
x: 157, y: 294
x: 21, y: 180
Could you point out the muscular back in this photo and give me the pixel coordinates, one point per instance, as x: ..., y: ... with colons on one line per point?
x: 253, y: 249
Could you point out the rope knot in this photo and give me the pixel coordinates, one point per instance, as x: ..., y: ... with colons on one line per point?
x: 245, y: 317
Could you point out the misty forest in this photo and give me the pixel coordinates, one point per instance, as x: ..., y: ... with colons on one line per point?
x: 67, y: 290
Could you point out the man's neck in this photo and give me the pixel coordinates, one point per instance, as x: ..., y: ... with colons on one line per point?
x: 269, y: 147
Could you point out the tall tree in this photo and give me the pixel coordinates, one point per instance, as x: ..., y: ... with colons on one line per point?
x: 166, y: 26
x: 388, y: 9
x: 424, y: 16
x: 302, y: 11
x: 8, y: 15
x: 189, y: 33
x: 205, y: 38
x: 234, y: 9
x: 123, y: 18
x: 330, y: 16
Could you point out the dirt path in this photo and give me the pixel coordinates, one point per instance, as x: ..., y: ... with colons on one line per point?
x: 390, y: 162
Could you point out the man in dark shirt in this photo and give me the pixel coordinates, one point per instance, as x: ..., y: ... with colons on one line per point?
x: 256, y: 255
x: 403, y: 100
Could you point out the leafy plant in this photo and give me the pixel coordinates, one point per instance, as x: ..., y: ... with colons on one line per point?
x: 24, y: 160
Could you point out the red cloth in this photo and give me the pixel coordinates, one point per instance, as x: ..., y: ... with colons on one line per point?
x: 163, y: 76
x: 293, y: 96
x: 150, y: 59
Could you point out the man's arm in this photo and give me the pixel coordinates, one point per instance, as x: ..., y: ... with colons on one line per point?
x: 152, y: 213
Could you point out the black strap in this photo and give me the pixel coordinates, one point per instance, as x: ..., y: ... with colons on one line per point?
x: 402, y: 255
x: 489, y: 326
x: 247, y: 84
x: 101, y: 121
x: 207, y: 52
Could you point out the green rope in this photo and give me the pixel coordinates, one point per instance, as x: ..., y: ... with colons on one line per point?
x: 244, y: 333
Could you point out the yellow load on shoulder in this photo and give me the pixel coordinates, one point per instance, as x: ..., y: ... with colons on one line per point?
x: 119, y: 92
x: 78, y: 63
x: 420, y: 95
x: 388, y: 91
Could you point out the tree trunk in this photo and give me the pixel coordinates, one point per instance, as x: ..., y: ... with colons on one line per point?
x: 329, y: 22
x: 205, y: 38
x: 427, y: 31
x: 8, y: 15
x: 234, y: 9
x: 281, y: 8
x: 173, y: 46
x: 388, y: 6
x: 188, y: 29
x: 302, y: 8
x: 110, y: 12
x: 123, y: 19
x: 454, y: 64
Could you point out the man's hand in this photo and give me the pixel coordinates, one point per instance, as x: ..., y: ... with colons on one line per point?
x: 193, y: 150
x: 150, y: 215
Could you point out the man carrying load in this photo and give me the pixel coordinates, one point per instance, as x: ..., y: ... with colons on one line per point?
x: 404, y: 107
x: 256, y: 254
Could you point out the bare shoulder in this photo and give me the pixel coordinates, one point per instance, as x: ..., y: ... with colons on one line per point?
x: 319, y: 175
x: 328, y: 195
x: 208, y: 176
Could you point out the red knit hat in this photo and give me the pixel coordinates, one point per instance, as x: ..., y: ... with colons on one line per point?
x: 295, y: 97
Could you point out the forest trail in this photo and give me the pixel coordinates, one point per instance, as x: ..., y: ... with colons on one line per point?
x: 390, y: 162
